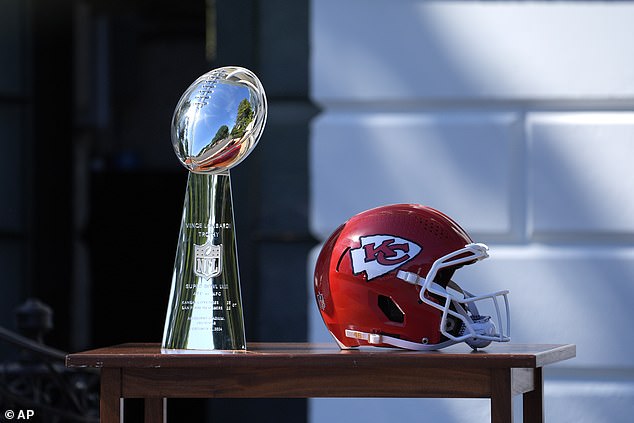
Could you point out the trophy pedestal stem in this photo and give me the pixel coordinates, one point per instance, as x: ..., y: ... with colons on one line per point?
x: 205, y: 304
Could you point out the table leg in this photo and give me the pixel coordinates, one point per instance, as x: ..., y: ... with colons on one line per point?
x: 110, y: 397
x: 533, y: 401
x: 501, y: 396
x: 155, y: 410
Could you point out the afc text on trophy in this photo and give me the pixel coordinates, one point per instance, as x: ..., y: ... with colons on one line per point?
x: 216, y: 124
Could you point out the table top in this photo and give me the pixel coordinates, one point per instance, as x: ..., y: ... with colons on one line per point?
x: 497, y: 355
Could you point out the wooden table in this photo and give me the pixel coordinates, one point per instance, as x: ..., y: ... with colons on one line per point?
x: 299, y: 370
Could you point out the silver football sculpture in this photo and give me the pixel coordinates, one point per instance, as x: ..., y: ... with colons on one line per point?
x: 219, y: 119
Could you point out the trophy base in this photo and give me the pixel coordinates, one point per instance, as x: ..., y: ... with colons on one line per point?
x: 200, y: 352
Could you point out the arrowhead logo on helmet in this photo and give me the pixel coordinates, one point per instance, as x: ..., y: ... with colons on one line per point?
x: 381, y: 254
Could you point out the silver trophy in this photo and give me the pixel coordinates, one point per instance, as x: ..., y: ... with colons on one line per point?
x: 217, y: 123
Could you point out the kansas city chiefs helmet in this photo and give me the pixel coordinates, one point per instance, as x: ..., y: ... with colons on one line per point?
x: 384, y: 278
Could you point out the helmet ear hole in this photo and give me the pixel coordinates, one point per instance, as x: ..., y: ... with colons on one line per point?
x: 391, y: 310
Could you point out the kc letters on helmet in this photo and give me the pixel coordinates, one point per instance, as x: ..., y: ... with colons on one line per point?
x: 384, y: 278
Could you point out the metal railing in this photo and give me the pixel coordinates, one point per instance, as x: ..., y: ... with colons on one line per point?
x: 37, y: 382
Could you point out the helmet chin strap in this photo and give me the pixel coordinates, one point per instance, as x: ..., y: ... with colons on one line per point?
x: 377, y: 339
x: 483, y: 327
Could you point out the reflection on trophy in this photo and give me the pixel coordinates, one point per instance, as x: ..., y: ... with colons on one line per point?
x: 216, y: 124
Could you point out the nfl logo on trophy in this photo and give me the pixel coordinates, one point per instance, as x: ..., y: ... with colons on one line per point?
x: 208, y: 260
x: 216, y: 124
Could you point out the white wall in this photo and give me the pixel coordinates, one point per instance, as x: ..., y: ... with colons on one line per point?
x: 516, y: 119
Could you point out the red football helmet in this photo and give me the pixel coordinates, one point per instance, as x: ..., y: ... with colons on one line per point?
x: 383, y: 278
